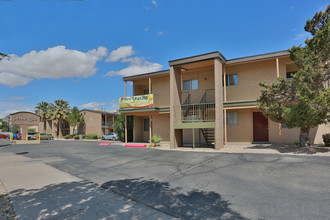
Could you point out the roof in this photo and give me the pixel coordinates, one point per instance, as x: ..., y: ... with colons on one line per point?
x: 143, y: 75
x: 24, y: 112
x: 208, y: 56
x: 97, y: 111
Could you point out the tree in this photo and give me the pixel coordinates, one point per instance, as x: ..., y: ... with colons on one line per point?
x: 303, y: 101
x: 2, y: 56
x: 59, y: 112
x: 3, y: 125
x: 75, y: 118
x: 43, y: 110
x: 119, y: 127
x: 15, y: 129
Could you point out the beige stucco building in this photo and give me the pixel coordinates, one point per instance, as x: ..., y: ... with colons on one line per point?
x: 95, y: 122
x: 207, y: 100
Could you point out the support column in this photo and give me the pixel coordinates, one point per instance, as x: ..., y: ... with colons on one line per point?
x: 150, y: 132
x: 218, y: 130
x: 279, y: 124
x: 225, y: 123
x: 150, y: 88
x: 24, y: 132
x: 125, y: 88
x: 224, y: 85
x: 126, y: 129
x: 175, y: 106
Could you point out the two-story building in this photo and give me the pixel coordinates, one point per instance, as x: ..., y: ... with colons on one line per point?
x: 207, y: 100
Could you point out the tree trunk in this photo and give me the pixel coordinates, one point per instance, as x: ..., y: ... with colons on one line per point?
x: 60, y: 134
x: 45, y: 126
x: 304, y: 137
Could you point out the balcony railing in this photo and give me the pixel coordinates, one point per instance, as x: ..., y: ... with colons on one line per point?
x: 194, y: 113
x: 108, y: 124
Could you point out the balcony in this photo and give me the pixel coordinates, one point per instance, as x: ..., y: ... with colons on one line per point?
x: 107, y: 125
x: 246, y: 92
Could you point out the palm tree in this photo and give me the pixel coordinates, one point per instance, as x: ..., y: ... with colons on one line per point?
x: 60, y: 111
x: 75, y: 118
x: 43, y: 110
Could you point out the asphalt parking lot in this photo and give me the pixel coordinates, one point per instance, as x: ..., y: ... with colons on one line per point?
x: 196, y: 185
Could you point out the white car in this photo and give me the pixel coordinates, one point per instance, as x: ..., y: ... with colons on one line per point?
x: 111, y: 136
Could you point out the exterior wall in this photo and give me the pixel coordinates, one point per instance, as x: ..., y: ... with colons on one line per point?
x: 250, y: 74
x: 160, y: 87
x: 187, y: 137
x: 161, y: 126
x: 92, y: 122
x: 289, y: 136
x: 205, y: 81
x: 243, y: 132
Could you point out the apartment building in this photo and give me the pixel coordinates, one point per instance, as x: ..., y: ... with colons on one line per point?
x: 207, y: 100
x: 97, y: 122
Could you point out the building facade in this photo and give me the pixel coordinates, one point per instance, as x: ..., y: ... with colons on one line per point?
x: 207, y: 100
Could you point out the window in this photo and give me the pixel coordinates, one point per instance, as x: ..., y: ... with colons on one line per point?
x: 289, y: 75
x: 232, y: 118
x: 146, y: 92
x: 84, y: 113
x: 146, y: 124
x: 231, y: 79
x: 190, y: 84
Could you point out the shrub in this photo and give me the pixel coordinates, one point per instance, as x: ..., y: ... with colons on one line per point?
x: 99, y: 136
x: 156, y: 139
x: 76, y: 137
x: 69, y: 136
x: 326, y: 139
x: 91, y: 136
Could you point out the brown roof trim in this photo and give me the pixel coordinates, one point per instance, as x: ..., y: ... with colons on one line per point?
x: 197, y: 58
x: 97, y: 111
x: 259, y: 57
x: 24, y: 112
x: 158, y: 73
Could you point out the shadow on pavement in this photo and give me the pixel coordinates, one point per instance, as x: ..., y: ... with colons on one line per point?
x: 293, y: 149
x: 192, y: 205
x: 75, y: 200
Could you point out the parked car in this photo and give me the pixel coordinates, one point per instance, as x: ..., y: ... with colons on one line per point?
x: 33, y: 135
x: 111, y: 136
x: 44, y: 136
x: 5, y: 135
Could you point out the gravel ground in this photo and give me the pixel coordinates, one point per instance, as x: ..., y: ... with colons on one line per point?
x: 6, y: 209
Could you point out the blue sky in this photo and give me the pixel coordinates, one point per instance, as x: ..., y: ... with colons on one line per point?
x: 80, y: 50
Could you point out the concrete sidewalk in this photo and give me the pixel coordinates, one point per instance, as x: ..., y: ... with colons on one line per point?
x: 39, y: 191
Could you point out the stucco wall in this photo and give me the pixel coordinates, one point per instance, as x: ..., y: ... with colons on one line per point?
x: 138, y: 129
x: 249, y: 74
x: 243, y: 132
x: 92, y: 122
x: 289, y: 136
x: 161, y: 126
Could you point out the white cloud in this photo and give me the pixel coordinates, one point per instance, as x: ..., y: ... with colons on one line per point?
x: 292, y: 7
x: 17, y: 97
x: 154, y: 3
x: 12, y: 107
x: 120, y: 53
x: 114, y: 105
x: 146, y: 29
x: 160, y: 33
x: 300, y: 36
x: 137, y: 68
x: 323, y: 8
x: 136, y: 65
x: 55, y: 62
x: 92, y: 105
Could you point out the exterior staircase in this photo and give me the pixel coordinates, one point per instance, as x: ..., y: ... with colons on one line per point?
x: 208, y: 134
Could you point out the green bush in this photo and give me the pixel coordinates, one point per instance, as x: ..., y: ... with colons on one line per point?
x: 91, y: 136
x: 156, y: 139
x: 69, y: 136
x: 326, y: 139
x: 99, y: 136
x: 76, y: 137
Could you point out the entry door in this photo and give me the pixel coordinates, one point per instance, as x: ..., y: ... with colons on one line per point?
x: 260, y: 127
